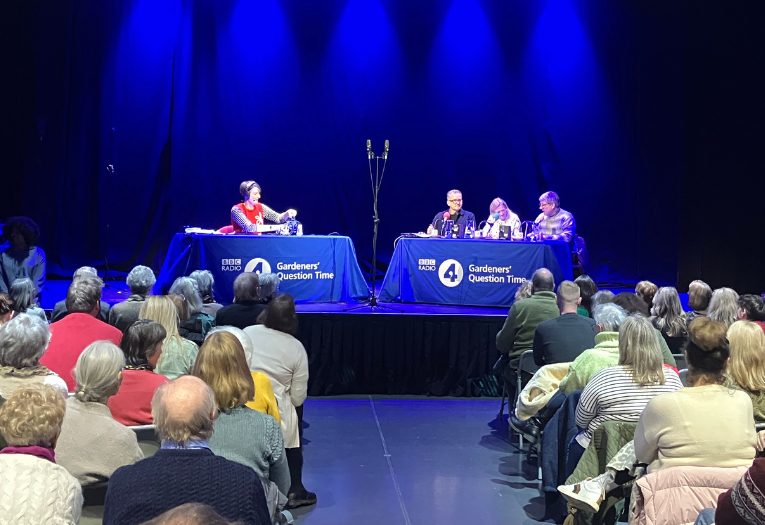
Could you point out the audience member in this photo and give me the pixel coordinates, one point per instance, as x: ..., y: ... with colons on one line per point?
x: 22, y: 258
x: 194, y: 328
x: 646, y: 290
x: 283, y: 359
x: 264, y: 400
x: 668, y: 317
x: 6, y: 308
x: 241, y: 434
x: 587, y: 288
x: 609, y: 318
x: 699, y: 295
x: 632, y: 304
x: 206, y: 284
x: 73, y: 333
x: 23, y: 341
x: 744, y: 504
x: 3, y: 443
x: 269, y: 287
x: 746, y: 369
x: 517, y: 334
x: 524, y: 291
x: 140, y: 280
x: 60, y: 311
x: 178, y: 354
x: 752, y: 308
x: 23, y: 295
x: 601, y: 297
x: 184, y: 470
x: 561, y: 339
x: 246, y: 308
x: 142, y: 346
x: 723, y: 306
x: 92, y: 445
x: 190, y: 514
x: 34, y: 488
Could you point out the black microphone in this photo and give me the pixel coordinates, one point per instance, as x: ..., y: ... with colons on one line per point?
x: 385, y: 150
x: 369, y: 149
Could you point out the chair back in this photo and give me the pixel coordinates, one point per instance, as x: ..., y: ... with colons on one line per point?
x: 680, y: 361
x: 684, y: 376
x: 226, y: 229
x: 148, y: 440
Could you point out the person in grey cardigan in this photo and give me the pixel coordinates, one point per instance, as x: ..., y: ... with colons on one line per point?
x: 140, y: 280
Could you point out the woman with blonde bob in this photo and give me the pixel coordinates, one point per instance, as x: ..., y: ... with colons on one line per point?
x: 668, y: 317
x: 746, y: 369
x: 92, y: 444
x: 240, y: 433
x: 178, y: 354
x: 723, y: 306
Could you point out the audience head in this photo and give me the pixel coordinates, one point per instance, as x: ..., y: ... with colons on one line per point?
x: 524, y: 291
x: 707, y: 349
x: 23, y: 293
x: 23, y: 341
x: 142, y: 343
x: 723, y: 306
x: 98, y: 372
x: 542, y: 281
x: 669, y: 311
x: 205, y: 284
x: 21, y: 232
x: 221, y: 363
x: 141, y: 280
x: 240, y: 334
x: 699, y: 295
x: 190, y: 514
x: 631, y: 303
x: 751, y: 307
x: 269, y: 286
x: 587, y: 288
x: 181, y: 306
x: 646, y: 290
x: 32, y: 416
x: 162, y: 310
x: 84, y: 271
x: 747, y: 355
x: 609, y: 317
x: 280, y: 315
x: 84, y: 296
x: 246, y: 287
x: 6, y: 308
x: 639, y: 350
x: 601, y: 297
x: 184, y: 410
x: 187, y: 288
x: 568, y: 297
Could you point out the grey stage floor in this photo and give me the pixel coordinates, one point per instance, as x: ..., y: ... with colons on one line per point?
x: 381, y: 460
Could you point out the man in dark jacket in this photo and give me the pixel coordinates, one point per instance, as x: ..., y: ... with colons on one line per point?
x: 247, y: 304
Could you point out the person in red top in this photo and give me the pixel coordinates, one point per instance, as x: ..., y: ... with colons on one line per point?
x: 142, y: 346
x: 249, y: 214
x: 73, y: 333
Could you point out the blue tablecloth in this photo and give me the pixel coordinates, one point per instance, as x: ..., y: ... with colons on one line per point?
x: 477, y: 272
x: 312, y: 268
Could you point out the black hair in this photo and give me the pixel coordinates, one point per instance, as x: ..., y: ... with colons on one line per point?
x: 247, y: 186
x: 754, y: 307
x: 587, y: 288
x: 23, y: 225
x: 141, y: 340
x: 280, y: 315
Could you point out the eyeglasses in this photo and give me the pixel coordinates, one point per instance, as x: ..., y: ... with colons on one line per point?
x: 543, y: 205
x: 455, y: 200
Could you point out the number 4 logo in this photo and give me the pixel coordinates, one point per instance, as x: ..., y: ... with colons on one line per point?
x: 450, y: 272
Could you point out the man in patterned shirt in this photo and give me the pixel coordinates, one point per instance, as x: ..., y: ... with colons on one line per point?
x: 554, y: 223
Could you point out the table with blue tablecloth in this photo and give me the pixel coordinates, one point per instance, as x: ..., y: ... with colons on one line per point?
x: 478, y: 272
x: 312, y: 268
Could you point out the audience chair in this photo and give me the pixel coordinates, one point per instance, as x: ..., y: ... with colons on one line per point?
x: 683, y: 375
x: 525, y: 364
x: 499, y: 371
x: 680, y: 361
x: 148, y: 440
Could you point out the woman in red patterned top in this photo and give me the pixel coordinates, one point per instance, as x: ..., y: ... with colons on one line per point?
x: 247, y: 216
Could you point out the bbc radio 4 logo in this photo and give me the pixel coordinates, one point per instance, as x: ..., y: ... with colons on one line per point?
x: 256, y: 265
x: 450, y: 273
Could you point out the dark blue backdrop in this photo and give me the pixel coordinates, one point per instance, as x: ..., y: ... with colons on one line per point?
x: 504, y: 98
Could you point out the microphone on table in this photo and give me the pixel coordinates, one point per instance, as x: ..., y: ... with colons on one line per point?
x: 447, y: 215
x: 493, y: 218
x: 385, y: 150
x: 539, y: 219
x: 370, y: 155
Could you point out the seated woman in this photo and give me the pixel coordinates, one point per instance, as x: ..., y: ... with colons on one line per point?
x: 23, y: 258
x: 752, y: 308
x: 699, y: 295
x: 746, y: 369
x: 23, y: 341
x: 206, y: 285
x: 706, y: 424
x: 142, y: 346
x: 34, y: 488
x: 23, y: 295
x: 178, y: 354
x: 620, y: 393
x: 587, y: 289
x: 6, y: 308
x: 500, y: 215
x: 646, y: 290
x: 197, y: 324
x: 247, y: 216
x: 92, y: 445
x: 668, y: 317
x: 240, y: 433
x: 723, y: 306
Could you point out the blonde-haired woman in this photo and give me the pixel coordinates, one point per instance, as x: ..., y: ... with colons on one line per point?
x: 178, y: 354
x: 667, y: 316
x: 240, y: 433
x: 501, y: 215
x: 92, y: 444
x: 746, y: 369
x: 723, y: 306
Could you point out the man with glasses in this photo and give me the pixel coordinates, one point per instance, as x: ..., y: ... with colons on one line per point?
x: 554, y: 223
x: 454, y: 213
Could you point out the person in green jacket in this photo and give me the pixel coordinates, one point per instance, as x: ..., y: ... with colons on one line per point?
x: 517, y: 334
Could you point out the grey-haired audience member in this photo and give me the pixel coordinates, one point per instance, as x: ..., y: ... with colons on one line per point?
x: 269, y: 287
x: 206, y: 286
x: 601, y: 297
x: 140, y: 280
x: 247, y: 305
x: 23, y: 294
x: 723, y: 306
x: 609, y: 317
x: 60, y: 311
x: 23, y: 341
x: 194, y: 328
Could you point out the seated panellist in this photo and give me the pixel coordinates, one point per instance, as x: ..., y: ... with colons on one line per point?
x: 455, y: 213
x: 500, y: 216
x: 22, y: 258
x: 554, y: 223
x: 140, y: 280
x: 251, y: 213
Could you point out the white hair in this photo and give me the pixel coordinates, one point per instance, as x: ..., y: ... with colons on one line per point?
x: 187, y: 287
x: 85, y: 271
x: 550, y: 197
x: 609, y: 316
x: 23, y: 341
x: 205, y: 283
x: 140, y: 280
x: 269, y: 284
x: 723, y: 306
x: 97, y: 371
x: 240, y: 334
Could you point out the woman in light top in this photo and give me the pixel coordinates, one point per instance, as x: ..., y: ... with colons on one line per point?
x: 500, y: 215
x: 178, y: 354
x: 251, y: 213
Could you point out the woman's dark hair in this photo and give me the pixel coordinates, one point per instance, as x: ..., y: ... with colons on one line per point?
x: 280, y: 315
x: 707, y: 349
x: 587, y: 288
x: 632, y: 303
x: 754, y: 307
x: 23, y: 225
x: 23, y: 293
x: 6, y: 304
x: 141, y: 340
x: 245, y: 188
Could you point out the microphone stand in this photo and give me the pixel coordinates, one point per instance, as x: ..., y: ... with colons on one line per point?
x: 376, y: 182
x: 109, y: 175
